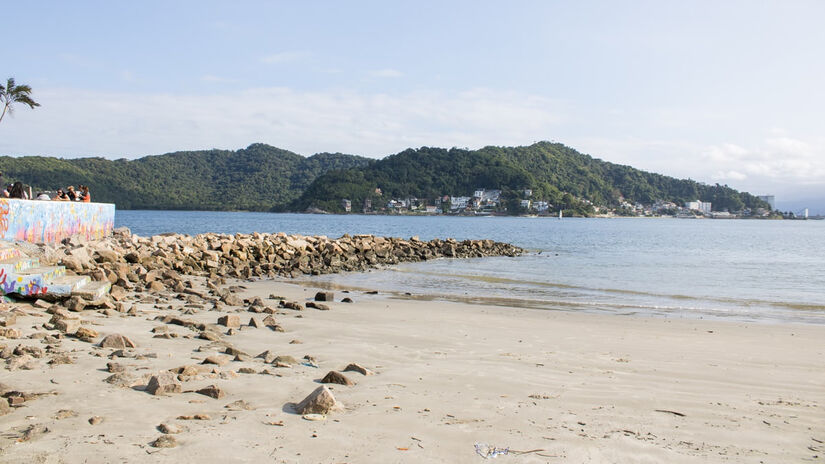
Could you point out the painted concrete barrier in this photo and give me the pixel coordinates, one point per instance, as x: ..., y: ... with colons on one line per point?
x: 51, y: 221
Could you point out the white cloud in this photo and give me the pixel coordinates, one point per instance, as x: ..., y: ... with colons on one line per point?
x: 74, y: 122
x: 84, y: 123
x: 778, y: 158
x: 389, y: 73
x: 729, y: 175
x: 786, y: 166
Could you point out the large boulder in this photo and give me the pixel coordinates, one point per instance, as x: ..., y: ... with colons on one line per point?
x: 320, y: 401
x: 107, y: 256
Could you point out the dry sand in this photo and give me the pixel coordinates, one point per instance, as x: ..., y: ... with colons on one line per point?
x: 577, y: 387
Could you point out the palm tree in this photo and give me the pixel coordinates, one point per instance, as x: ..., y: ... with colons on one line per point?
x: 11, y: 94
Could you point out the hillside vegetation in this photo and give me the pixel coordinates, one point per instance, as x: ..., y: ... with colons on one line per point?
x: 556, y: 173
x: 264, y: 178
x: 257, y: 178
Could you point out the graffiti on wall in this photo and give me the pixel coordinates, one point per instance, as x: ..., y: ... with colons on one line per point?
x: 22, y: 285
x: 52, y: 221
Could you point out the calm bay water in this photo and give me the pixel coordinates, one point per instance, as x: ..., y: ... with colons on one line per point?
x: 743, y: 270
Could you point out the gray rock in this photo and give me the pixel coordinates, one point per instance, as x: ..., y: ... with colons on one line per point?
x: 114, y: 367
x: 212, y: 391
x: 163, y: 383
x: 76, y: 304
x: 120, y: 379
x: 325, y: 296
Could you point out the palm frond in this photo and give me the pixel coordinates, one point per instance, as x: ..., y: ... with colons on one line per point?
x: 26, y: 100
x: 23, y: 89
x: 13, y: 93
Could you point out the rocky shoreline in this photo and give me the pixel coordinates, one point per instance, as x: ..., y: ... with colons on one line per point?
x: 127, y: 258
x: 185, y: 362
x: 175, y: 284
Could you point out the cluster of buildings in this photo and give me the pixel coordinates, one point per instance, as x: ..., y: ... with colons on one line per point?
x: 483, y: 201
x: 690, y: 209
x: 489, y: 201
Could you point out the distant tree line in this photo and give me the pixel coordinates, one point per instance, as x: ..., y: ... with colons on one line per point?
x: 265, y: 178
x: 558, y: 174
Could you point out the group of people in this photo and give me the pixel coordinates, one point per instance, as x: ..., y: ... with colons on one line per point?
x: 70, y: 195
x: 16, y: 190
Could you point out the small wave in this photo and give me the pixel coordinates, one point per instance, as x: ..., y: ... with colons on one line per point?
x: 737, y: 302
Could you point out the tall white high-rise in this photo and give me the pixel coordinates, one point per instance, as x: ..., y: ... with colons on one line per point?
x: 769, y: 199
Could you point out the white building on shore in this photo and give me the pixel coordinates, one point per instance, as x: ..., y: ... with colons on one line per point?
x: 459, y: 203
x: 701, y: 206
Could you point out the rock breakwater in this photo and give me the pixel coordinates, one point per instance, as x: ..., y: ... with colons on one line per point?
x: 152, y: 262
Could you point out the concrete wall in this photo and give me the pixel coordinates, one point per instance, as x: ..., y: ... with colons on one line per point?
x: 52, y: 221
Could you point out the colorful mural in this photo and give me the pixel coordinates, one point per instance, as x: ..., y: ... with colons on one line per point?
x: 52, y: 221
x: 26, y: 285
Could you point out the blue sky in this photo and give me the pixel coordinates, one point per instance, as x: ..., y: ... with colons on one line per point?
x: 727, y: 92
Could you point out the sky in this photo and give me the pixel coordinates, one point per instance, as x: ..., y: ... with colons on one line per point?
x: 720, y: 92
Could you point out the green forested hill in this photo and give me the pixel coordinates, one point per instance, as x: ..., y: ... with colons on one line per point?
x: 257, y: 178
x: 264, y: 178
x: 554, y: 172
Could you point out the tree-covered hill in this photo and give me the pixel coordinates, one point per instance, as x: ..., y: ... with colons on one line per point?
x: 257, y: 178
x: 264, y: 178
x: 556, y: 173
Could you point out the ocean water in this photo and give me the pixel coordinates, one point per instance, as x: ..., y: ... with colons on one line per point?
x: 745, y: 270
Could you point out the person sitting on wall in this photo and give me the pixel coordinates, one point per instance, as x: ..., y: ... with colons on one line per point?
x: 84, y: 194
x: 43, y: 196
x: 71, y: 193
x: 17, y: 191
x: 61, y: 196
x: 7, y: 191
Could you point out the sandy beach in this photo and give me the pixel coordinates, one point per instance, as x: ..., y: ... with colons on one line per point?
x: 568, y: 387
